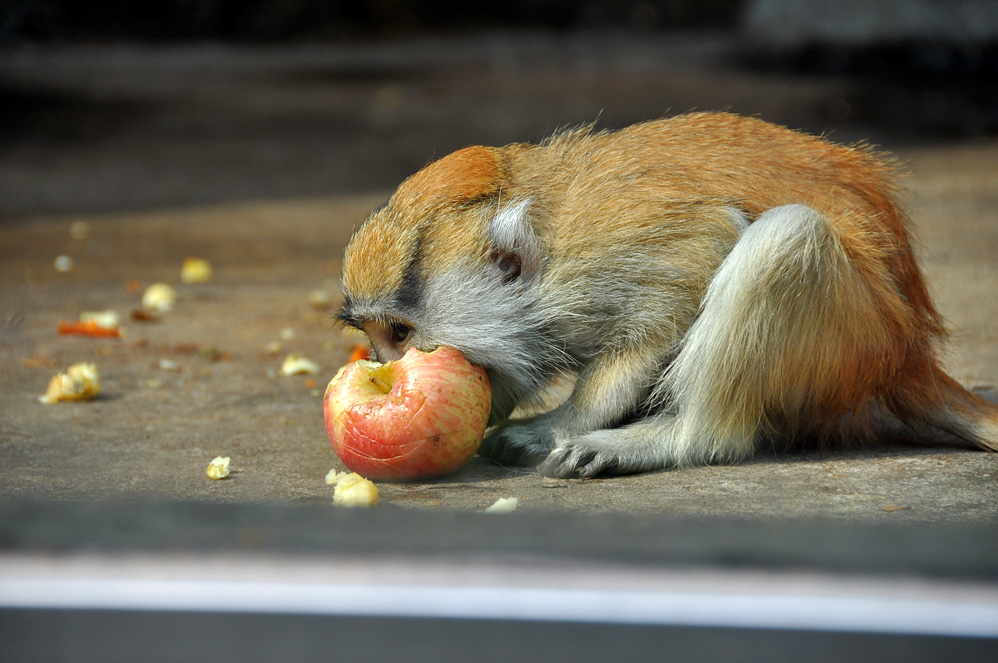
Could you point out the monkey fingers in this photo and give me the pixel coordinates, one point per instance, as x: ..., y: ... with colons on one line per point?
x: 647, y: 444
x: 570, y: 457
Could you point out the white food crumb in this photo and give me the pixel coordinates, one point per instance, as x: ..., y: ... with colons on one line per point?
x: 103, y: 319
x: 503, y: 505
x: 79, y: 382
x: 299, y: 365
x: 195, y: 270
x: 333, y: 476
x: 159, y: 297
x: 63, y: 264
x: 352, y: 490
x: 219, y: 468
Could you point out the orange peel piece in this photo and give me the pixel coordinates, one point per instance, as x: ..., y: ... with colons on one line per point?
x: 88, y: 328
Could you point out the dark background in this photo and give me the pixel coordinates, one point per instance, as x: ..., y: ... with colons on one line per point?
x: 116, y: 105
x: 256, y: 21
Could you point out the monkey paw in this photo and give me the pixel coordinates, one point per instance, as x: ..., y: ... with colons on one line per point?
x: 573, y: 456
x: 524, y: 443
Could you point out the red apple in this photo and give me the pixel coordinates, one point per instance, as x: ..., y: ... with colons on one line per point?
x: 419, y: 417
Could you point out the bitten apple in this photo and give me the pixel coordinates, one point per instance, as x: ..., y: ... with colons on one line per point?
x: 419, y: 417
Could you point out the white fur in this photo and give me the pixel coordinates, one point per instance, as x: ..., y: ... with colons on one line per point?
x: 511, y: 233
x: 509, y: 228
x: 738, y: 219
x: 716, y: 385
x: 511, y: 340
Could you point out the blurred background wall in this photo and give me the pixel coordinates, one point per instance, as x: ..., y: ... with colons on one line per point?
x: 113, y: 104
x: 274, y: 20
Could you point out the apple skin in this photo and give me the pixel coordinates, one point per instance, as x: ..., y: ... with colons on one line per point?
x: 419, y: 417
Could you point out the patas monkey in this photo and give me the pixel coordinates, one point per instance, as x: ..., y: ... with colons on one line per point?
x: 713, y: 280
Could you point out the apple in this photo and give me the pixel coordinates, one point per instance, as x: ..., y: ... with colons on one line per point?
x: 419, y: 417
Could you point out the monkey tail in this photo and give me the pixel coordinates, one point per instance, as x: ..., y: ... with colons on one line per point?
x: 789, y: 341
x: 799, y: 336
x: 939, y: 402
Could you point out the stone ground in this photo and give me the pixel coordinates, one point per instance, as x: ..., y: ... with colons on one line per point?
x: 262, y: 161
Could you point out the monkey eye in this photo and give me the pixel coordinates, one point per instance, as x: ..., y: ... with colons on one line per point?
x: 400, y: 332
x: 389, y: 337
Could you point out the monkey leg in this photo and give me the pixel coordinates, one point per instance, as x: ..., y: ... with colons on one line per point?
x: 608, y: 390
x: 637, y: 447
x: 790, y: 339
x: 935, y: 401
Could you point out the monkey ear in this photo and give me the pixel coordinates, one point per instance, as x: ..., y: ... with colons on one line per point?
x: 516, y: 249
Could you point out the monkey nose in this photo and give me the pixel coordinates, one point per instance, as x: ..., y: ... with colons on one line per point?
x: 388, y: 352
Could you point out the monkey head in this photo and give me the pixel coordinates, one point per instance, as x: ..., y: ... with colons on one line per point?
x: 452, y: 259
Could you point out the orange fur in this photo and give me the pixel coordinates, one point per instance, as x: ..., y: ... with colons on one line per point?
x: 625, y: 232
x: 467, y: 174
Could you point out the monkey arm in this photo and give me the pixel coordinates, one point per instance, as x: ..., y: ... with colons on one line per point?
x: 610, y: 388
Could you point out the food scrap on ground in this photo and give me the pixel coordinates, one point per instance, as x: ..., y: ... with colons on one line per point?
x: 334, y: 475
x: 295, y: 364
x: 159, y: 297
x: 107, y: 319
x: 63, y: 264
x: 79, y: 382
x: 360, y: 351
x: 195, y: 270
x: 219, y: 468
x: 88, y: 328
x: 503, y: 505
x: 144, y: 315
x: 352, y: 490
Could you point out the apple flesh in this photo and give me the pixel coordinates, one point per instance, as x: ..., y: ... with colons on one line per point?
x: 420, y: 417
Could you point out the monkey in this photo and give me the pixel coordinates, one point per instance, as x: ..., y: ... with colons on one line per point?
x: 714, y: 282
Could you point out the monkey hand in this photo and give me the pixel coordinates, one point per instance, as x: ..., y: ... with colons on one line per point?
x: 649, y: 444
x: 583, y: 455
x: 524, y: 442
